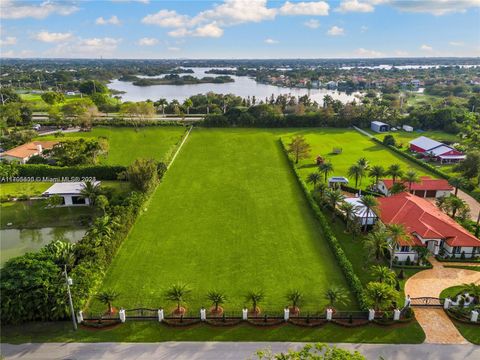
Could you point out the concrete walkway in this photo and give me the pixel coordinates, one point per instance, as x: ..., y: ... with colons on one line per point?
x: 224, y: 351
x: 429, y: 283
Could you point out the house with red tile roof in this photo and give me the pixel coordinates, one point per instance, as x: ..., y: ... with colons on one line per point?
x: 426, y: 188
x: 427, y: 226
x: 24, y: 152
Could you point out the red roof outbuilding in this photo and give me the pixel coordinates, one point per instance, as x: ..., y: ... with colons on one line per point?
x: 426, y: 183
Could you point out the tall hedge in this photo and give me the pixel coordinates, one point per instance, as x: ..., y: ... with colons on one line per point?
x: 100, y: 172
x: 342, y: 260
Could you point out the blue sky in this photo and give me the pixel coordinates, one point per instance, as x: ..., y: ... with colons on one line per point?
x: 239, y: 28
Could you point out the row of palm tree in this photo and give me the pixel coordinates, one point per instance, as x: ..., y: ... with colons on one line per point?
x: 383, y: 239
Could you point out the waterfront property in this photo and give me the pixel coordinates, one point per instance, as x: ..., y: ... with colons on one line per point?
x: 426, y: 187
x: 427, y: 226
x: 69, y: 192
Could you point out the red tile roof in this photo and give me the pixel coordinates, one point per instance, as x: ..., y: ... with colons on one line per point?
x: 29, y: 149
x: 426, y: 183
x: 423, y: 218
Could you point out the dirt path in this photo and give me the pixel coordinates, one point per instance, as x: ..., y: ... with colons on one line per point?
x: 472, y: 203
x: 429, y: 283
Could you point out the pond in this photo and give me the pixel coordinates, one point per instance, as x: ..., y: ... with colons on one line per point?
x: 16, y: 242
x: 243, y: 86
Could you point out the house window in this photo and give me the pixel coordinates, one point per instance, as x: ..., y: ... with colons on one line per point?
x: 405, y: 249
x: 457, y: 249
x: 78, y: 200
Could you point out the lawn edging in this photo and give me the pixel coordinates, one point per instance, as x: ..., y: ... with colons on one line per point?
x: 342, y: 260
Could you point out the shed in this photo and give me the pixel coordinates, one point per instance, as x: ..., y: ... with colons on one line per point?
x: 334, y: 181
x: 407, y: 128
x: 379, y: 126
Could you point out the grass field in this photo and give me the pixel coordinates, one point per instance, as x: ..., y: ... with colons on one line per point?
x: 229, y: 215
x: 150, y: 331
x: 354, y: 146
x: 127, y: 144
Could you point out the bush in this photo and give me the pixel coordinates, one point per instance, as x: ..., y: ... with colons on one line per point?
x: 342, y: 260
x: 99, y: 172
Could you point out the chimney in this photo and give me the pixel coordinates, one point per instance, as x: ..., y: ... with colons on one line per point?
x: 39, y: 148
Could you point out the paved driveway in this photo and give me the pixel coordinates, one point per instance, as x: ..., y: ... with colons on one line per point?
x: 429, y: 283
x: 472, y: 203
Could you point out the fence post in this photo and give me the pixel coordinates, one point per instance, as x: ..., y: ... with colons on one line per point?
x: 122, y: 315
x: 447, y: 303
x: 80, y: 317
x: 371, y: 315
x: 245, y: 314
x: 329, y: 314
x: 474, y: 317
x: 286, y: 313
x: 407, y: 301
x: 396, y: 315
x: 203, y: 314
x: 160, y: 315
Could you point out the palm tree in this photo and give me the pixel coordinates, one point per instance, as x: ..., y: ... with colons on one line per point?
x: 356, y: 171
x: 383, y: 274
x: 376, y: 242
x: 103, y: 227
x: 397, y: 233
x: 107, y: 297
x: 370, y: 203
x: 453, y: 204
x: 363, y: 163
x: 411, y: 177
x: 394, y: 171
x: 217, y: 298
x: 334, y: 197
x: 313, y: 178
x: 376, y: 172
x: 188, y: 104
x: 90, y: 190
x: 380, y: 295
x: 472, y: 289
x: 162, y: 103
x: 349, y: 210
x: 294, y: 297
x: 336, y: 294
x: 325, y: 168
x: 321, y: 188
x: 177, y: 293
x: 457, y: 182
x: 255, y: 297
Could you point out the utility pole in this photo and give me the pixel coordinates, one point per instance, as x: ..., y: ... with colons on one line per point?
x: 72, y: 311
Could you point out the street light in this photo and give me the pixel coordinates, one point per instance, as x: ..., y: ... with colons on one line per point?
x: 69, y: 281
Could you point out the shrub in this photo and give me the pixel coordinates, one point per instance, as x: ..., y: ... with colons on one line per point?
x: 99, y: 172
x: 408, y: 261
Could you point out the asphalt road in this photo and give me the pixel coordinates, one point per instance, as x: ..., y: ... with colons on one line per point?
x: 223, y: 351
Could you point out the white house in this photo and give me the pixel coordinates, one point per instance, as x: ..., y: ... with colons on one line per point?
x: 360, y: 213
x: 379, y: 126
x: 427, y: 226
x: 70, y: 192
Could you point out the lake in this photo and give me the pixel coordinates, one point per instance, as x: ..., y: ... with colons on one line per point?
x: 243, y: 86
x: 15, y: 242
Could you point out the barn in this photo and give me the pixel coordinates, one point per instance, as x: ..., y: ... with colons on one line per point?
x: 379, y: 126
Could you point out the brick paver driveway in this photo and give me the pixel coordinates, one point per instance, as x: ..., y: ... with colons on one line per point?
x: 429, y: 283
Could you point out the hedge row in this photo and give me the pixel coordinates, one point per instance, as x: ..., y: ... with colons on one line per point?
x: 345, y: 264
x: 425, y: 165
x: 99, y: 172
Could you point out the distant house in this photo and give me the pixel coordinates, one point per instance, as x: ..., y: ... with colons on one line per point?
x: 336, y: 181
x: 427, y: 226
x: 24, y: 152
x: 332, y: 85
x: 427, y: 187
x: 439, y: 151
x: 379, y: 126
x: 70, y: 192
x: 361, y: 214
x: 407, y: 128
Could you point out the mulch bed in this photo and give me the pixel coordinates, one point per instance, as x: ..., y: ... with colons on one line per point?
x: 310, y: 323
x: 95, y: 325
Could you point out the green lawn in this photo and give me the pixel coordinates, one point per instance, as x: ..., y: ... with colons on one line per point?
x: 354, y: 146
x: 149, y: 331
x: 127, y: 144
x: 16, y: 189
x: 228, y: 215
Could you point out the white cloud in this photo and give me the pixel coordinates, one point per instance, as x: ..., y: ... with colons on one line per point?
x: 51, y: 37
x: 181, y: 32
x: 363, y: 28
x: 456, y: 43
x: 139, y: 1
x: 318, y: 8
x: 369, y: 53
x: 312, y: 24
x: 336, y: 31
x: 147, y: 41
x: 401, y: 53
x: 209, y: 30
x: 166, y: 18
x: 10, y: 9
x: 355, y: 6
x: 271, y: 41
x: 9, y: 40
x: 112, y: 21
x: 7, y: 54
x: 436, y: 7
x: 90, y: 47
x: 426, y: 48
x: 172, y: 48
